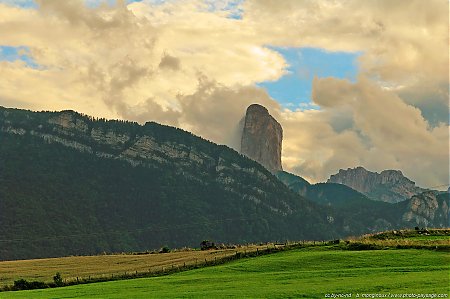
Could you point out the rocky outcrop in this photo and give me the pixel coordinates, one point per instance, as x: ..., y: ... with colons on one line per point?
x: 262, y: 138
x: 68, y: 120
x: 427, y: 209
x: 389, y: 185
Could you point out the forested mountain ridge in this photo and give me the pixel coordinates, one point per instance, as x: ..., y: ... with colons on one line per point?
x: 71, y: 184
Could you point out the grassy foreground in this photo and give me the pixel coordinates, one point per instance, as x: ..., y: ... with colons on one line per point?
x: 309, y: 273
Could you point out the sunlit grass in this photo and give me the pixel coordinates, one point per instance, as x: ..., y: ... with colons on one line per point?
x: 310, y: 273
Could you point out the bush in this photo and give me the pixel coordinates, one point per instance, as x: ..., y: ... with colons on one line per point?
x: 165, y: 249
x: 58, y: 280
x: 334, y: 242
x: 207, y: 244
x: 22, y: 284
x: 363, y: 246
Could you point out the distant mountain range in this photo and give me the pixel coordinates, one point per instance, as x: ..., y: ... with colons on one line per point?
x: 389, y: 185
x: 71, y: 184
x: 429, y: 208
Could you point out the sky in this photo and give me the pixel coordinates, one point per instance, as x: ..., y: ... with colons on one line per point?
x: 353, y: 83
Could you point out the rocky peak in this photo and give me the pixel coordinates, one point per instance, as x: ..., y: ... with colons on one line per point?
x: 357, y: 178
x: 389, y: 185
x: 262, y: 138
x: 393, y: 176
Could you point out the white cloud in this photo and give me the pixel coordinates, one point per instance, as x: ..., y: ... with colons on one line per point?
x: 382, y: 132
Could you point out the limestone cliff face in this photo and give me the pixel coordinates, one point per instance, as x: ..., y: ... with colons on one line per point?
x: 428, y: 208
x: 389, y: 185
x: 262, y: 138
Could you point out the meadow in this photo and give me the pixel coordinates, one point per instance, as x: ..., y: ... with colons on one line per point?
x: 311, y: 272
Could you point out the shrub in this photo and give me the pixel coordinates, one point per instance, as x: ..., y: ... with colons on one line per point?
x: 22, y: 284
x: 363, y: 246
x: 58, y: 279
x: 165, y: 249
x: 334, y: 242
x: 207, y: 244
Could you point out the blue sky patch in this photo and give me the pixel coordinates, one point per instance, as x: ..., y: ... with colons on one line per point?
x: 20, y: 3
x: 293, y: 90
x: 32, y: 3
x: 8, y: 53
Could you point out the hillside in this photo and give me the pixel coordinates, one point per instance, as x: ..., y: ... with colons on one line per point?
x: 71, y: 185
x: 358, y: 213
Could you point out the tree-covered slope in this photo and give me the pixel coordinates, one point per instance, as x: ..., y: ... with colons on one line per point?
x: 71, y: 185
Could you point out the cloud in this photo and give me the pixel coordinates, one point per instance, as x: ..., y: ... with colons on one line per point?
x: 383, y: 132
x: 126, y: 57
x: 195, y: 64
x: 402, y: 46
x: 169, y: 62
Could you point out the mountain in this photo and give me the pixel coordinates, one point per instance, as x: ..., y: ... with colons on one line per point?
x: 296, y: 183
x: 262, y: 138
x: 359, y: 213
x: 71, y: 184
x: 389, y: 185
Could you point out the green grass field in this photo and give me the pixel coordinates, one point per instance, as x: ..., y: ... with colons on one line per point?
x: 308, y: 273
